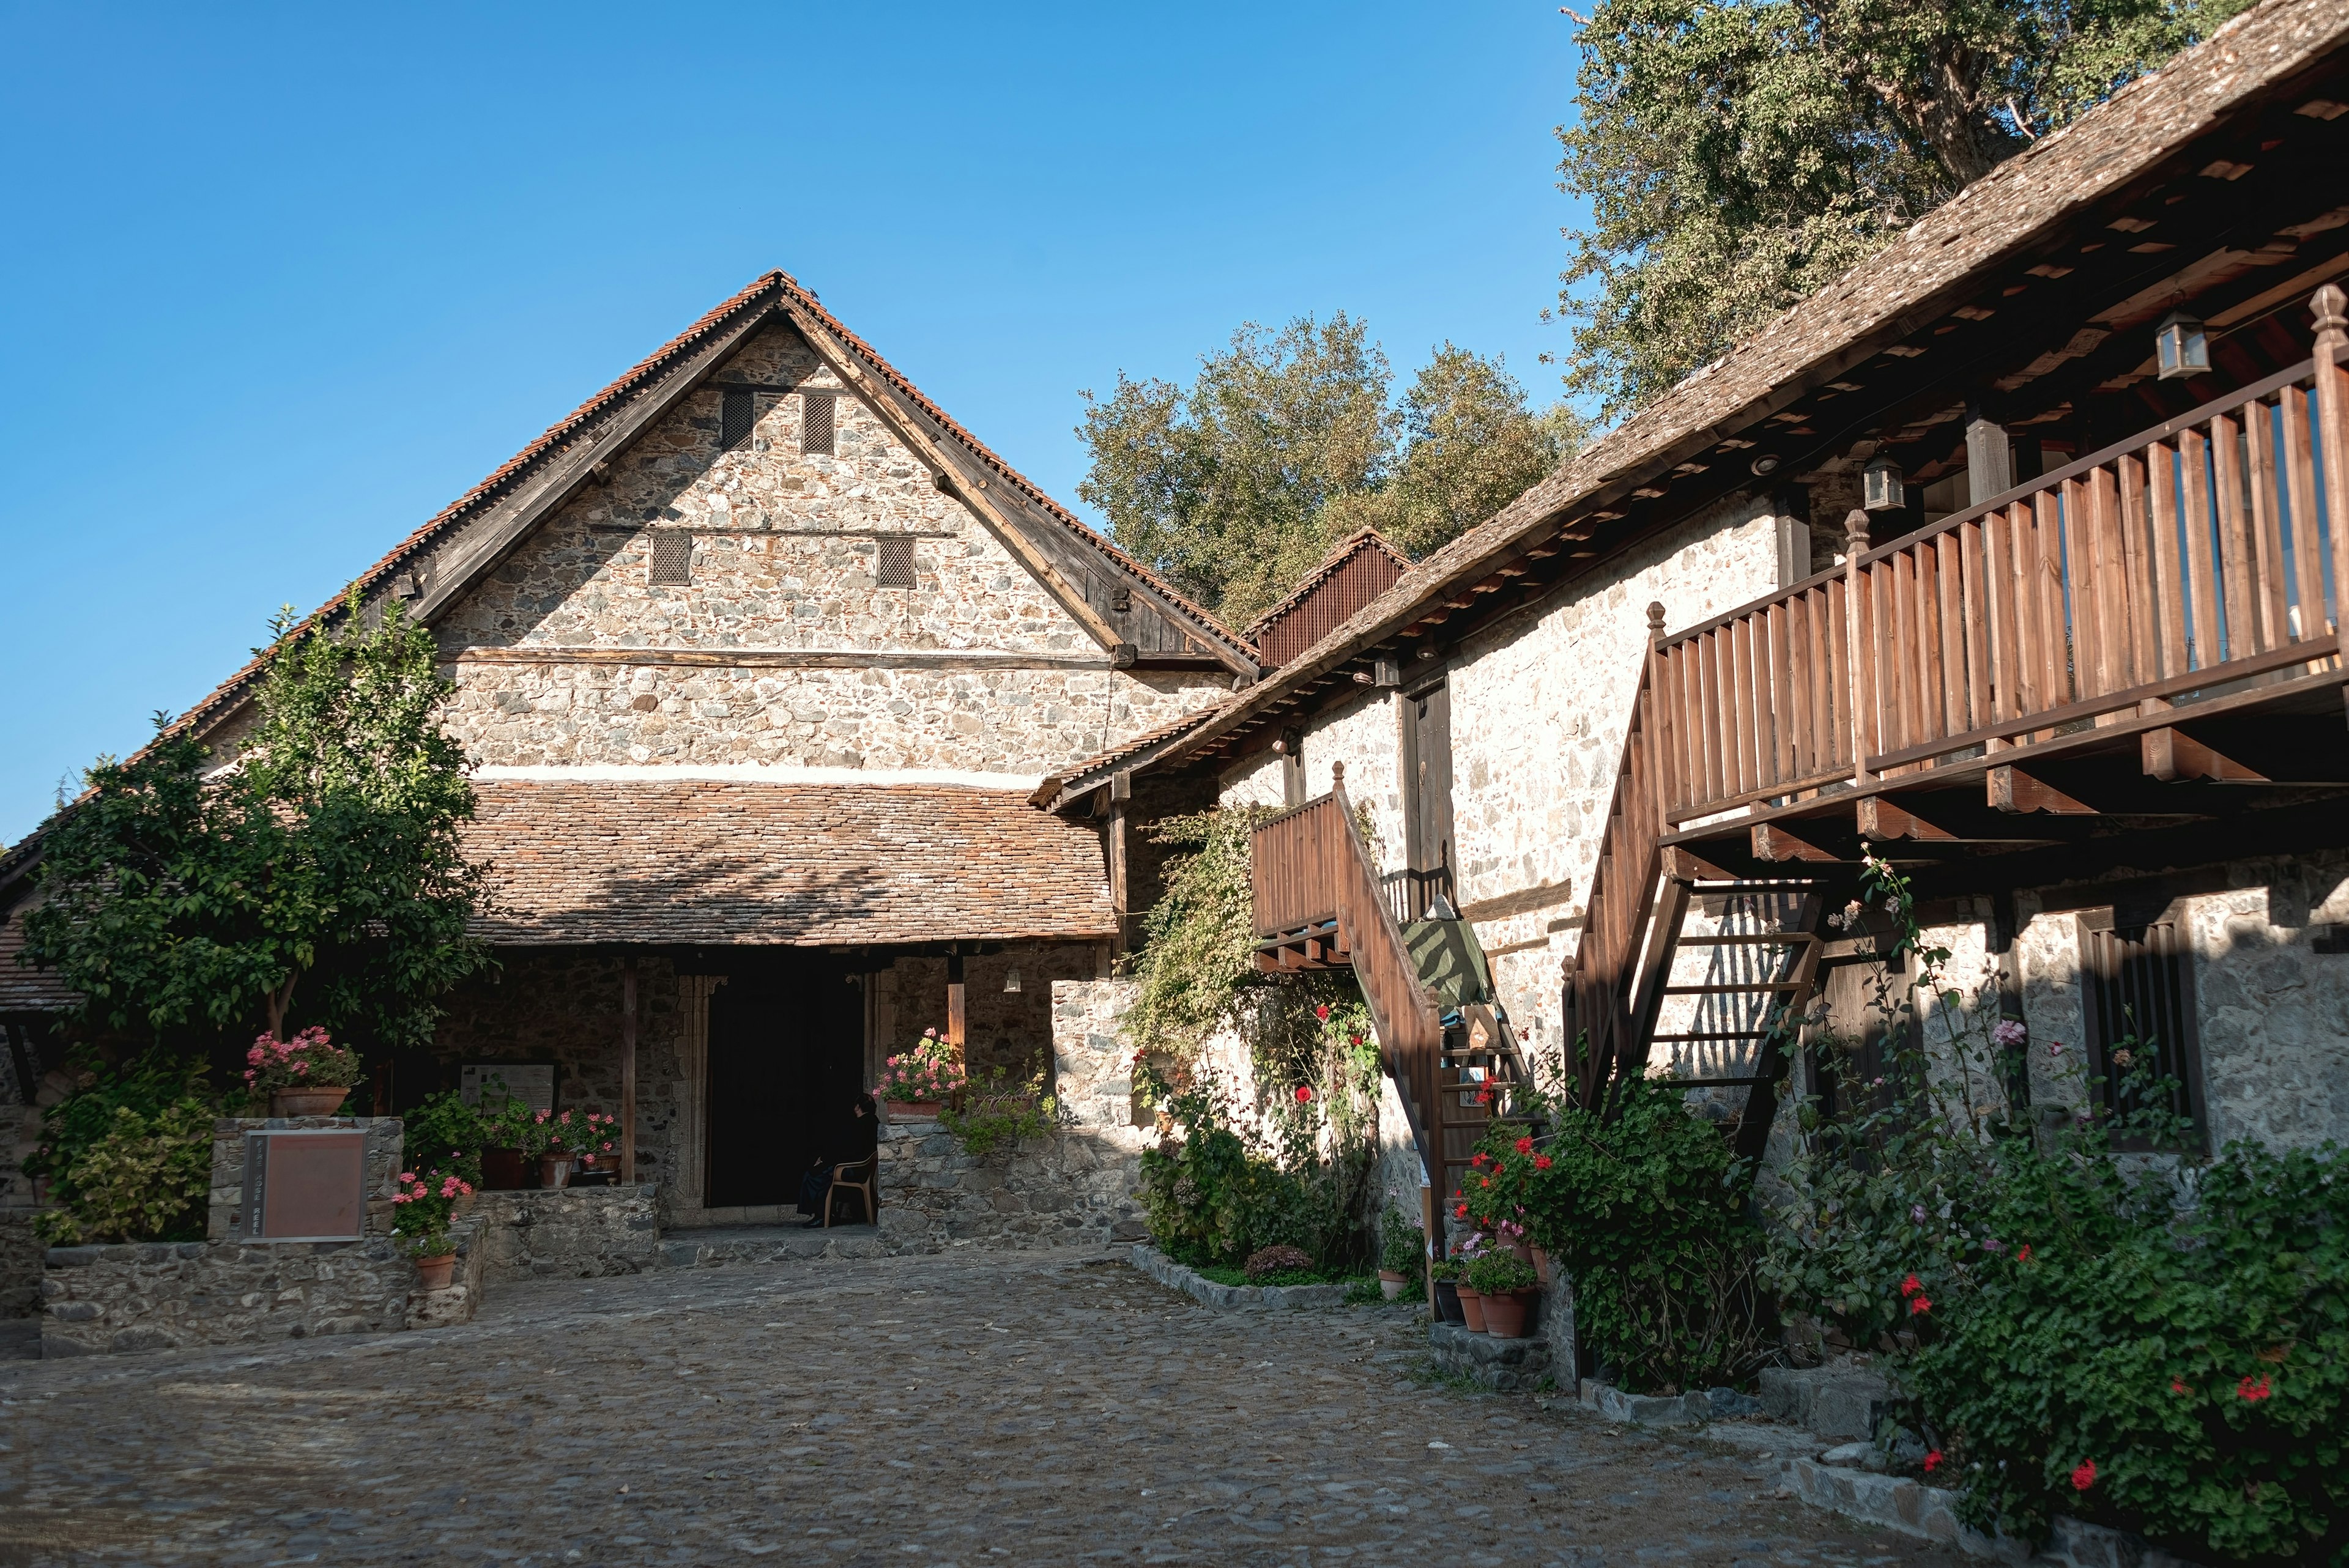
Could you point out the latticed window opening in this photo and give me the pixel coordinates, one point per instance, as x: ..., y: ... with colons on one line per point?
x: 816, y: 423
x: 2136, y: 990
x: 736, y: 419
x: 895, y: 568
x: 672, y: 558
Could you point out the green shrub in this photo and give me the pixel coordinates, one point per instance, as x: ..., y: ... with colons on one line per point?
x: 999, y: 1111
x: 1211, y: 1198
x: 1648, y: 1212
x: 1500, y: 1273
x: 444, y: 1133
x: 2187, y: 1380
x: 1402, y: 1246
x: 109, y: 1184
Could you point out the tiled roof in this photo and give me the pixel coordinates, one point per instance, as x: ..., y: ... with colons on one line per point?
x: 703, y: 860
x: 24, y: 989
x: 1880, y: 299
x: 1102, y: 762
x: 1343, y: 552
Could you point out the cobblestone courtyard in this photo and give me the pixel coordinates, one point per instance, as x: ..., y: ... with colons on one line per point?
x: 966, y: 1408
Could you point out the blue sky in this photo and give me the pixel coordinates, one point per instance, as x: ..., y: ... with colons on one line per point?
x: 282, y: 282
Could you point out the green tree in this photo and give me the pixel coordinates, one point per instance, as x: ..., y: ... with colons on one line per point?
x: 1739, y: 154
x: 182, y: 896
x: 1236, y: 486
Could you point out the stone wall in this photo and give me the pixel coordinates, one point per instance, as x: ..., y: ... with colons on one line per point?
x: 20, y: 1265
x: 569, y: 1233
x: 162, y: 1295
x: 568, y: 653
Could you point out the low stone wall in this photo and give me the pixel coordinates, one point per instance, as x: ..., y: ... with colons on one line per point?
x: 1503, y: 1366
x: 1915, y: 1509
x: 1068, y: 1188
x: 20, y: 1263
x: 1200, y: 1288
x: 462, y: 1298
x: 569, y: 1233
x: 160, y: 1295
x: 1843, y: 1400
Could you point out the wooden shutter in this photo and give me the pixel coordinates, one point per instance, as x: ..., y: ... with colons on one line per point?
x: 672, y: 558
x: 895, y: 568
x: 816, y: 423
x: 735, y: 421
x: 2137, y: 992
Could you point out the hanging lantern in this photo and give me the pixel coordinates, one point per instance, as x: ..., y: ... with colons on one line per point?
x: 1883, y: 492
x: 1011, y: 980
x: 2181, y: 347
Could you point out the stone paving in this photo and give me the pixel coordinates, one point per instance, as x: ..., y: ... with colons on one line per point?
x: 963, y: 1408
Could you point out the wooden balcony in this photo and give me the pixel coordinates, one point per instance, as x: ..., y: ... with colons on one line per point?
x: 2164, y: 599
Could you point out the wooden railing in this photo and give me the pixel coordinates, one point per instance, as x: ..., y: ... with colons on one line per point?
x: 2156, y: 573
x: 1311, y: 873
x: 1604, y: 972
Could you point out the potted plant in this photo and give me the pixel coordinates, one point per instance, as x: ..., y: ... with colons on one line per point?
x: 574, y: 1138
x: 1472, y: 1300
x: 508, y: 1140
x: 1504, y: 1283
x: 446, y: 1133
x: 1402, y: 1252
x: 916, y: 1083
x: 425, y: 1205
x: 1447, y: 1273
x: 309, y: 1074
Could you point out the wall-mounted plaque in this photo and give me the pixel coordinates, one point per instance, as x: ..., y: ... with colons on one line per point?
x: 304, y: 1186
x: 533, y: 1083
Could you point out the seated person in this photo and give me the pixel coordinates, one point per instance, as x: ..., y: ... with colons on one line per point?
x: 852, y: 1141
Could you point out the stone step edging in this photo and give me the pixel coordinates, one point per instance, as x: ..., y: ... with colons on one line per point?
x: 1913, y: 1508
x: 1232, y: 1297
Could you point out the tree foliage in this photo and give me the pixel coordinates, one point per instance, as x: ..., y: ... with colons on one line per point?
x: 322, y: 873
x: 1236, y: 485
x: 1739, y: 154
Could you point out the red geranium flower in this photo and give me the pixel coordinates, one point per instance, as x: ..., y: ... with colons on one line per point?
x: 1322, y: 1012
x: 2253, y: 1389
x: 1525, y: 1146
x: 1541, y: 1161
x: 1303, y: 1094
x: 1911, y: 1285
x: 1932, y: 1461
x: 1477, y: 1159
x: 2178, y: 1387
x: 2084, y: 1477
x: 1460, y: 1211
x: 2023, y: 1256
x: 1920, y: 1306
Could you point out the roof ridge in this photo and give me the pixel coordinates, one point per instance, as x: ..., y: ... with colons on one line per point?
x: 1366, y: 534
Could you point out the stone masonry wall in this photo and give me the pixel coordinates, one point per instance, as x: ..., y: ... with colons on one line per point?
x: 162, y: 1295
x: 568, y: 653
x: 569, y: 1233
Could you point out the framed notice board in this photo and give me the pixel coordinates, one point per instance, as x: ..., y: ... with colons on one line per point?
x: 304, y: 1186
x: 533, y: 1083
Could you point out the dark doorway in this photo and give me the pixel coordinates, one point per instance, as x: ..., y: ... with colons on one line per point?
x: 786, y: 1061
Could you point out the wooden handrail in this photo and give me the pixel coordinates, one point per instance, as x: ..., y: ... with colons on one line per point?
x: 2150, y: 574
x: 1310, y: 866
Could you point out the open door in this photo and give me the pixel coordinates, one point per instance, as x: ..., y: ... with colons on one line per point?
x: 786, y: 1062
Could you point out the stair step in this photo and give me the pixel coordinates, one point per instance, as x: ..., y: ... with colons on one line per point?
x: 1765, y: 939
x: 1718, y: 1082
x: 1741, y: 988
x: 1719, y: 1035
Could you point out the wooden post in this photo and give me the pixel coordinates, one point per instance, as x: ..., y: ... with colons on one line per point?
x: 2333, y: 441
x: 1665, y: 781
x: 953, y: 1001
x: 628, y: 1069
x: 1428, y: 1233
x: 1121, y: 798
x: 1989, y: 459
x: 1862, y: 646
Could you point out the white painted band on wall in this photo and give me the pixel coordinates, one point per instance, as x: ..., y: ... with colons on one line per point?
x: 752, y: 773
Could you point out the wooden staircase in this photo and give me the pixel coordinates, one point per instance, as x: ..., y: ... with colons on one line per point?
x: 1319, y: 903
x: 1761, y: 939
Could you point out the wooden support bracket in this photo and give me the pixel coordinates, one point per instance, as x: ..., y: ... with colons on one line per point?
x: 1681, y: 865
x: 2171, y: 755
x: 2012, y: 789
x: 1880, y: 818
x: 1772, y: 842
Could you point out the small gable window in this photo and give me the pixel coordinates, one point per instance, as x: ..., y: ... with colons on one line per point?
x: 896, y: 569
x: 672, y: 558
x: 735, y: 421
x: 816, y: 423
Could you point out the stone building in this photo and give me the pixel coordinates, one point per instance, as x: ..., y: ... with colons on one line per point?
x: 2123, y: 828
x: 759, y: 654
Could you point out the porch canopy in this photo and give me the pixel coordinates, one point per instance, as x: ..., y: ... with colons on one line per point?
x: 713, y: 861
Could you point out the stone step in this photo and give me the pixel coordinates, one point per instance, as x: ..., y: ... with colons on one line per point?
x: 719, y: 1245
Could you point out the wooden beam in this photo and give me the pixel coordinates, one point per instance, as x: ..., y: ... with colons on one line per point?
x: 1879, y: 818
x: 2012, y: 789
x: 628, y: 1070
x: 2171, y: 755
x: 1683, y: 865
x: 1772, y: 842
x: 956, y: 1011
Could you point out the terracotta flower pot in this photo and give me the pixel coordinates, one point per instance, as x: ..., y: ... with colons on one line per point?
x: 323, y: 1101
x: 1505, y: 1316
x: 1447, y: 1303
x: 914, y: 1109
x: 1390, y: 1284
x: 1472, y: 1308
x: 1541, y: 1266
x: 435, y: 1271
x: 502, y: 1169
x: 554, y: 1170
